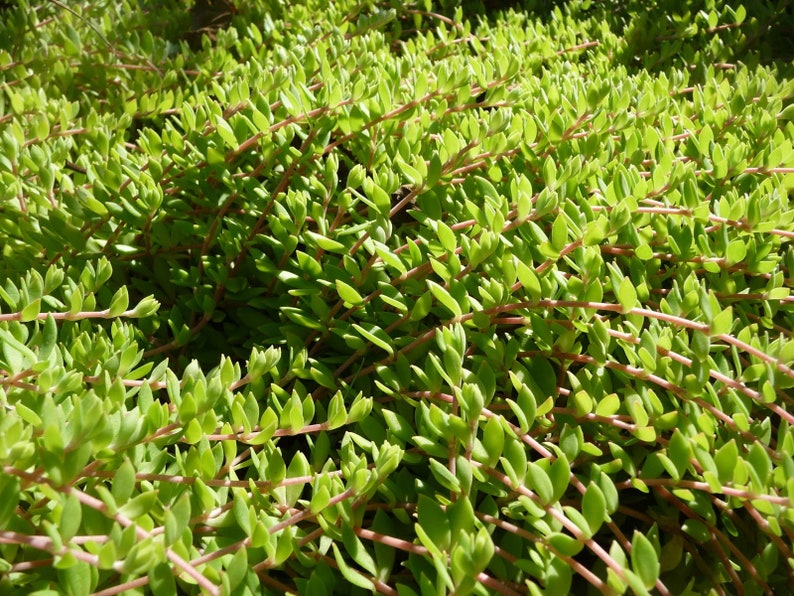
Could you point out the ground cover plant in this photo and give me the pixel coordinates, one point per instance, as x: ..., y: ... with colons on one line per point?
x: 412, y: 298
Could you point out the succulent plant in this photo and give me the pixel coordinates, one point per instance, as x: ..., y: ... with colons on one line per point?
x: 406, y: 298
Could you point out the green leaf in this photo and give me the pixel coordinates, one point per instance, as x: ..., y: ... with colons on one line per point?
x: 388, y: 257
x: 445, y: 298
x: 726, y: 460
x: 76, y: 579
x: 679, y: 452
x: 575, y: 516
x: 571, y: 440
x: 565, y: 544
x: 636, y: 408
x: 260, y: 363
x: 41, y: 126
x: 493, y: 440
x: 434, y: 171
x: 723, y: 322
x: 549, y: 172
x: 582, y: 402
x: 352, y: 576
x: 9, y: 497
x: 786, y: 113
x: 348, y: 293
x: 145, y: 308
x: 524, y: 203
x: 388, y: 460
x: 644, y: 252
x: 193, y: 434
x: 428, y: 542
x: 736, y: 252
x: 539, y: 481
x: 594, y: 507
x: 142, y: 557
x: 559, y: 233
x: 483, y: 549
x: 356, y: 176
x: 298, y: 316
x: 71, y: 517
x: 646, y: 434
x: 596, y: 231
x: 123, y: 481
x: 470, y: 397
x: 320, y: 499
x: 237, y: 568
x: 446, y: 478
x: 759, y: 459
x: 422, y: 306
x: 446, y: 236
x: 529, y: 280
x: 434, y: 521
x: 359, y: 409
x: 17, y: 355
x: 376, y: 336
x: 609, y: 405
x: 411, y: 173
x: 140, y: 505
x: 31, y: 311
x: 357, y: 551
x: 559, y: 577
x: 607, y: 486
x: 461, y: 517
x: 378, y: 196
x: 119, y: 302
x: 337, y: 416
x: 226, y: 133
x: 559, y: 474
x: 161, y: 579
x: 187, y: 409
x: 172, y: 533
x: 107, y: 555
x: 177, y: 518
x: 644, y: 560
x: 49, y: 337
x: 627, y: 295
x: 526, y: 405
x: 697, y: 530
x: 240, y: 511
x: 326, y: 243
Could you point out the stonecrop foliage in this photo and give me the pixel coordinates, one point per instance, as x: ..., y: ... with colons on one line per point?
x: 397, y: 297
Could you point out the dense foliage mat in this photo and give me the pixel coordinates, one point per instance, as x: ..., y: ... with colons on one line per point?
x: 399, y: 297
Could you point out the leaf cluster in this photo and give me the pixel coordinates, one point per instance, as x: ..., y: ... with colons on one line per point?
x: 391, y: 297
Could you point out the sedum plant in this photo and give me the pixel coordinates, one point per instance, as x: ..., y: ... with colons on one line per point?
x: 396, y: 297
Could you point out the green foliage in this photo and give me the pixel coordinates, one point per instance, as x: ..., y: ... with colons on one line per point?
x: 396, y: 297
